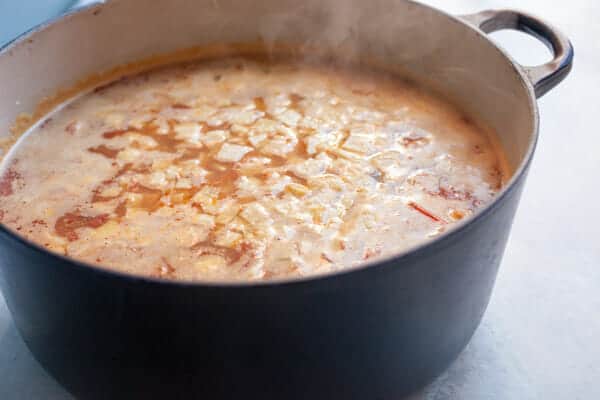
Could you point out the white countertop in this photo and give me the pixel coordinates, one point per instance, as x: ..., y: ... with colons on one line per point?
x: 540, y: 337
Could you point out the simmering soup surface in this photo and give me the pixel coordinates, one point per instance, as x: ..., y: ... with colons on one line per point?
x: 238, y: 169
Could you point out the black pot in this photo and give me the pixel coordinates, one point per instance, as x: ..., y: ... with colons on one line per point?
x: 375, y: 332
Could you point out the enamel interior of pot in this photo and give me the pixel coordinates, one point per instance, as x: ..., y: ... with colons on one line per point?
x: 427, y: 45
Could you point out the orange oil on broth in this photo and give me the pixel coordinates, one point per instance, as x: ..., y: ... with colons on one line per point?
x: 229, y: 170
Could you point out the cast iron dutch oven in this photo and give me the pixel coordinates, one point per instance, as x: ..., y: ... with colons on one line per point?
x: 376, y: 332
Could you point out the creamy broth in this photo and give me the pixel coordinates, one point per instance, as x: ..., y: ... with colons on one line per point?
x: 240, y: 169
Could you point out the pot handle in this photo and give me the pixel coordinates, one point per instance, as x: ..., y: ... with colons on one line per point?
x: 543, y: 77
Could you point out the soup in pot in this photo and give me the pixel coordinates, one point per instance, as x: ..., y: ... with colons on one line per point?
x: 245, y: 169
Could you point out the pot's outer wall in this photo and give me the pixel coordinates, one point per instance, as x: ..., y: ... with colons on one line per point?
x: 373, y: 333
x: 376, y: 333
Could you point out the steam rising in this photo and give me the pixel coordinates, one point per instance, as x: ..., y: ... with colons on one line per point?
x: 349, y: 30
x: 327, y: 26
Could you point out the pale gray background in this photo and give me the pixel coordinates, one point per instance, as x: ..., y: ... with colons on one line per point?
x: 539, y: 337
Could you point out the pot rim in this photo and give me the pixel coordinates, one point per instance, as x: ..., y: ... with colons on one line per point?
x: 391, y: 261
